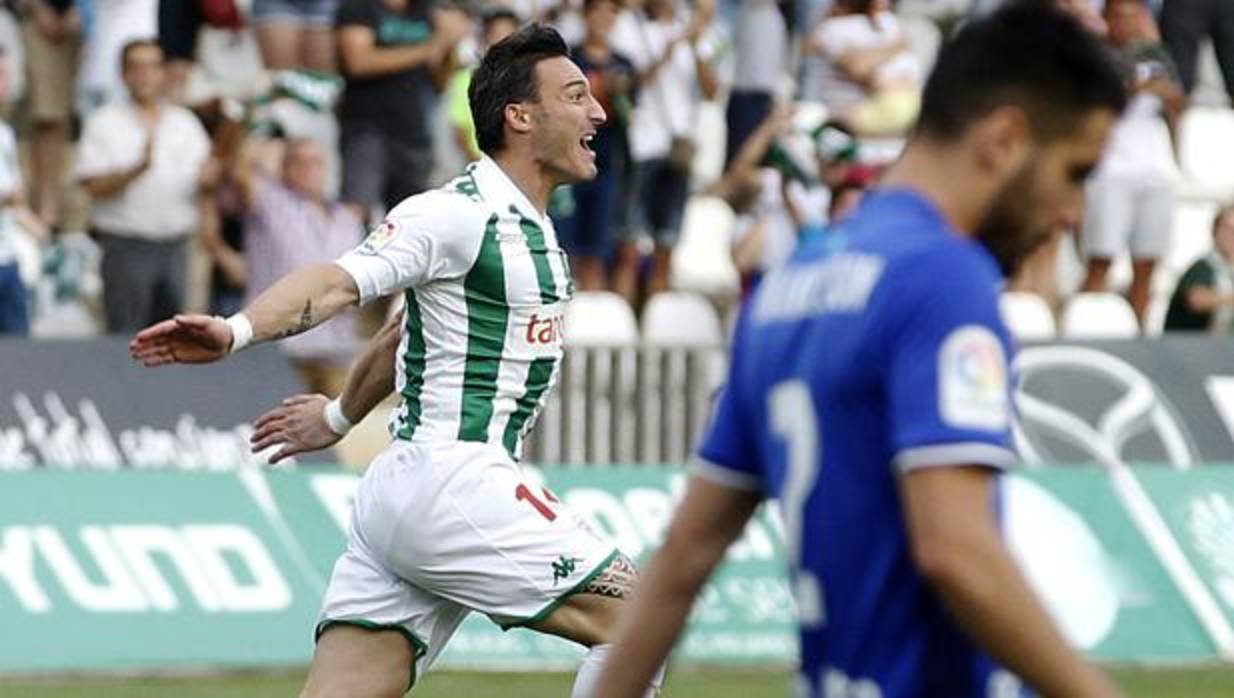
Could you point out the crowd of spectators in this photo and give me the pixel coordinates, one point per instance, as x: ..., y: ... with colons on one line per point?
x: 199, y: 177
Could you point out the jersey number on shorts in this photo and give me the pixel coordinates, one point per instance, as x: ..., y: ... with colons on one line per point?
x: 523, y: 494
x: 794, y: 419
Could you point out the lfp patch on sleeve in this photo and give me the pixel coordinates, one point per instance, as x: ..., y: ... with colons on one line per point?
x: 381, y: 236
x: 972, y: 380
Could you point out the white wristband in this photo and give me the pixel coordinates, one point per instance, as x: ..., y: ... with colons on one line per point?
x: 335, y: 419
x: 241, y: 332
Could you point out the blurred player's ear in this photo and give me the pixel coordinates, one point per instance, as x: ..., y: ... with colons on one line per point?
x: 518, y: 117
x: 1002, y: 141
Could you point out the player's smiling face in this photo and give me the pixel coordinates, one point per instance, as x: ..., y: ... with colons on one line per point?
x: 565, y: 121
x: 1046, y: 194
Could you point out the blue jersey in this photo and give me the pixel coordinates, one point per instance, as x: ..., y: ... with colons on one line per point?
x: 877, y: 349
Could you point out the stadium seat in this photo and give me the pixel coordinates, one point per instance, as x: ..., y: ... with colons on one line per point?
x: 1027, y: 316
x: 1207, y: 139
x: 681, y: 319
x: 600, y: 318
x: 1099, y: 316
x: 702, y: 260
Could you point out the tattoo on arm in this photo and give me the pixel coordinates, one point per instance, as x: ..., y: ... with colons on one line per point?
x: 616, y: 581
x: 306, y: 322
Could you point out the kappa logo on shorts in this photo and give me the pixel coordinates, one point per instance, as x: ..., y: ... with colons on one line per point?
x: 563, y: 568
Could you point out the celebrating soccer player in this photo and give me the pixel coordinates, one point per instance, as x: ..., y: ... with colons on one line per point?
x: 869, y: 393
x: 444, y: 522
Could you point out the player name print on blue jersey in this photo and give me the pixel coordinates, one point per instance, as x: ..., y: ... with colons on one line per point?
x: 839, y: 283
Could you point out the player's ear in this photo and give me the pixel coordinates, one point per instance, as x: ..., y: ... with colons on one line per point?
x: 518, y: 117
x: 1003, y: 141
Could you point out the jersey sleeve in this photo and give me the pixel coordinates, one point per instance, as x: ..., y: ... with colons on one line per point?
x: 729, y: 454
x: 948, y: 384
x: 427, y: 237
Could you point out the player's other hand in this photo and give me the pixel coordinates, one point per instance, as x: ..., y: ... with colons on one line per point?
x: 184, y: 339
x: 298, y: 425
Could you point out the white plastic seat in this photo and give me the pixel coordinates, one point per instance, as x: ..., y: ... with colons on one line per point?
x: 1028, y: 316
x: 1099, y: 316
x: 600, y: 318
x: 702, y: 259
x: 1207, y: 140
x: 681, y: 319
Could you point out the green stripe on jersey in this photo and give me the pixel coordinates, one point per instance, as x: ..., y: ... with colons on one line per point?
x: 413, y: 368
x: 487, y: 317
x: 538, y: 377
x: 539, y: 257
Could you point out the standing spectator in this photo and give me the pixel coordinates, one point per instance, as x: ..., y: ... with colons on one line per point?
x: 869, y: 79
x: 1184, y: 23
x: 674, y: 76
x: 395, y: 55
x: 497, y: 23
x: 587, y: 232
x: 144, y: 162
x: 295, y: 34
x: 111, y: 25
x: 290, y: 223
x: 15, y: 219
x: 53, y: 39
x: 1130, y: 199
x: 760, y: 41
x: 1204, y: 297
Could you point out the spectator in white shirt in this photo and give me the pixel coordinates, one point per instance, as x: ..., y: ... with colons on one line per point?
x: 144, y: 162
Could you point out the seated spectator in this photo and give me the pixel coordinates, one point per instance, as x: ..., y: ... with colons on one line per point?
x: 53, y: 38
x: 395, y: 55
x: 669, y: 50
x: 586, y: 233
x: 15, y: 219
x: 145, y: 164
x: 1204, y: 298
x: 1130, y: 199
x: 290, y: 223
x: 1185, y: 23
x: 496, y: 24
x: 296, y: 34
x: 870, y: 80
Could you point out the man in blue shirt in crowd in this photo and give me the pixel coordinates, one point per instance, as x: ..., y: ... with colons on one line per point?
x: 869, y: 393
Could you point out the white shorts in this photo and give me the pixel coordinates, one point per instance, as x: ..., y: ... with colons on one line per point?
x: 1126, y: 215
x: 439, y: 531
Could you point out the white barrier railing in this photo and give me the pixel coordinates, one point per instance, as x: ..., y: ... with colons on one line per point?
x: 627, y: 404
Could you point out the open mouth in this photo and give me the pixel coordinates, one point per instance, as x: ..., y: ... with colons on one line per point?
x: 585, y: 142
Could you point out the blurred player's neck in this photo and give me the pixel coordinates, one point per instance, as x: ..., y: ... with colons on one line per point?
x: 527, y: 174
x: 950, y: 180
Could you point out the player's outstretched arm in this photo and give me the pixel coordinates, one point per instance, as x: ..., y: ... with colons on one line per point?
x: 957, y: 547
x: 299, y: 425
x: 709, y: 519
x: 296, y: 303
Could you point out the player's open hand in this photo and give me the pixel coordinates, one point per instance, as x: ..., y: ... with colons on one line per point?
x: 298, y: 425
x: 184, y: 339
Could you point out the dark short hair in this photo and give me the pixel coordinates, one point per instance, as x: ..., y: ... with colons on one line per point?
x: 507, y: 75
x: 134, y: 44
x: 1027, y: 54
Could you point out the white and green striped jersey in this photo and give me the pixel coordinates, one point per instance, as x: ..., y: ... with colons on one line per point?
x: 486, y: 286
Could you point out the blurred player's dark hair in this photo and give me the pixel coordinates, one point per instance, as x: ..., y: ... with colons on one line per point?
x: 1029, y: 55
x: 507, y: 75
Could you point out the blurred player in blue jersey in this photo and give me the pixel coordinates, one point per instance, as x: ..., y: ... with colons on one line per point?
x: 869, y: 393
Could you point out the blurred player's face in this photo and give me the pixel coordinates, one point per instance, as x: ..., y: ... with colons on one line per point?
x: 144, y: 74
x: 1046, y: 193
x: 564, y: 121
x: 304, y: 168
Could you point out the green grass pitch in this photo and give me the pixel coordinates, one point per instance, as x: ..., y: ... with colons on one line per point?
x: 713, y: 683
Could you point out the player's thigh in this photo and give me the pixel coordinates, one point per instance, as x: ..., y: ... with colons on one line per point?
x: 480, y: 534
x: 355, y: 662
x: 590, y: 615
